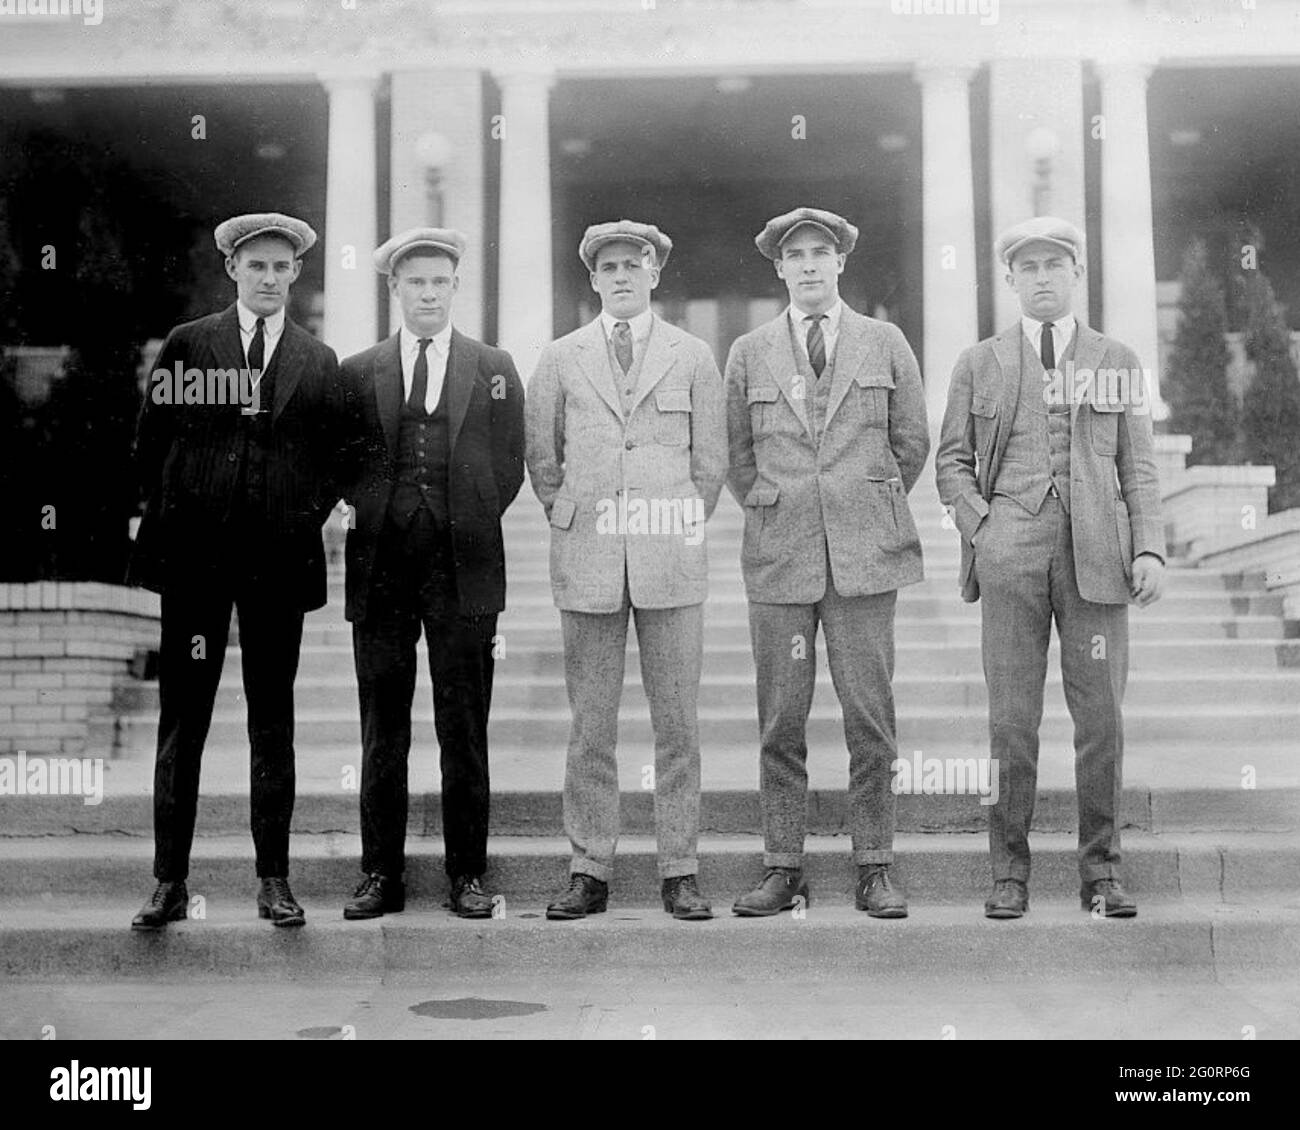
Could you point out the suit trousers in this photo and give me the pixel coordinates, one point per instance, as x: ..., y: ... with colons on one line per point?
x: 1025, y: 565
x: 195, y: 629
x: 671, y: 644
x: 859, y: 632
x: 413, y: 588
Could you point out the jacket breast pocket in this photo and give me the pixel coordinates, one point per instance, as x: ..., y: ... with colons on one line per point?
x: 984, y: 411
x: 873, y: 392
x: 1105, y: 424
x: 673, y: 427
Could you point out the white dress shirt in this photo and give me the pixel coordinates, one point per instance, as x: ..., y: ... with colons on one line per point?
x: 830, y: 328
x: 272, y: 329
x: 435, y: 356
x: 1062, y: 332
x: 638, y: 324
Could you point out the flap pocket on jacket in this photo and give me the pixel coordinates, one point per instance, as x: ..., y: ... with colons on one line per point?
x: 762, y: 394
x: 673, y: 399
x: 986, y: 406
x: 562, y: 512
x: 762, y: 495
x: 875, y: 380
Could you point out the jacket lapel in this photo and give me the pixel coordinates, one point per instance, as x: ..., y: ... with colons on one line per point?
x: 850, y: 352
x: 783, y: 367
x: 387, y: 377
x: 1006, y: 348
x: 227, y: 345
x: 462, y: 367
x: 593, y: 359
x: 660, y: 356
x: 287, y: 360
x: 1089, y: 348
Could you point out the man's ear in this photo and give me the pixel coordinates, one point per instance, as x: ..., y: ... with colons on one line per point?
x: 779, y: 266
x: 297, y: 270
x: 841, y: 258
x: 654, y: 277
x: 593, y: 283
x: 230, y: 267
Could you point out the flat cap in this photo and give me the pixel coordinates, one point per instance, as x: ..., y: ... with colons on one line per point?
x: 843, y: 234
x: 230, y: 233
x: 444, y: 241
x: 1041, y: 229
x: 623, y: 231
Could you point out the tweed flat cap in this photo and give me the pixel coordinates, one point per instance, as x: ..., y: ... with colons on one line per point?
x: 843, y: 234
x: 445, y: 241
x: 1041, y: 229
x: 623, y: 231
x: 230, y: 233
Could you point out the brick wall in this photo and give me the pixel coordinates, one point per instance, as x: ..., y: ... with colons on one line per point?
x: 65, y: 649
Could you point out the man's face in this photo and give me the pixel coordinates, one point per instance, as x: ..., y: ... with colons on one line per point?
x: 624, y: 276
x: 1044, y: 277
x: 425, y: 285
x: 264, y: 269
x: 810, y: 266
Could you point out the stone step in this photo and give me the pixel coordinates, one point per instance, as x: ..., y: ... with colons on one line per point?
x: 538, y: 684
x: 932, y: 868
x: 77, y: 939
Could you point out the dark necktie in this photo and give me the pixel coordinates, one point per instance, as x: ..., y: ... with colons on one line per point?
x: 816, y: 343
x: 623, y: 345
x: 257, y: 349
x: 1047, y: 349
x: 420, y: 383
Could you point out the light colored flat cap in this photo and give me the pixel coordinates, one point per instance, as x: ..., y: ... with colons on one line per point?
x: 843, y: 234
x: 444, y: 241
x: 230, y: 233
x: 624, y: 231
x: 1041, y: 229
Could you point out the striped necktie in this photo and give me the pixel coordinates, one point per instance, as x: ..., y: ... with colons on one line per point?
x: 816, y: 343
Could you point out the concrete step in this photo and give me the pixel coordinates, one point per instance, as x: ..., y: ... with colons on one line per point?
x: 932, y: 868
x: 519, y: 686
x: 74, y: 939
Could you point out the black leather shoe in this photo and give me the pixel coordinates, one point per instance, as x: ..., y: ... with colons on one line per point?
x: 376, y: 896
x: 1109, y: 896
x: 1010, y: 899
x: 276, y: 902
x: 682, y: 899
x: 169, y: 902
x: 468, y: 899
x: 780, y: 887
x: 876, y: 893
x: 586, y: 895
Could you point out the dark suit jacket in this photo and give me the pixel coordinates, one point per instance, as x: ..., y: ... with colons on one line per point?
x: 486, y: 436
x: 187, y: 462
x: 1114, y: 490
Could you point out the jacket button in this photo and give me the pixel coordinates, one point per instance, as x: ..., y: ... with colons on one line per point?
x: 230, y: 456
x: 629, y: 445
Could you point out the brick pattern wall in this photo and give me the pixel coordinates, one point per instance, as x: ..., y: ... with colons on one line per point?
x: 65, y: 650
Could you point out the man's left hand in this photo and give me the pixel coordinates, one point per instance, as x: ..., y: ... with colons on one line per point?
x: 1148, y: 579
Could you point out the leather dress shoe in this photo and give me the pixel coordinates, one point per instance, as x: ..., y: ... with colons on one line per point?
x: 1010, y: 899
x: 876, y: 893
x: 682, y: 899
x: 1115, y: 901
x: 585, y: 895
x: 468, y: 899
x: 276, y: 902
x: 780, y: 887
x: 377, y: 895
x: 169, y: 902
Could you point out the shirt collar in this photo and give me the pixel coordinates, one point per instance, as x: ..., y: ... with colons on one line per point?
x: 1034, y: 328
x: 248, y: 320
x: 639, y: 324
x: 411, y: 342
x: 830, y: 324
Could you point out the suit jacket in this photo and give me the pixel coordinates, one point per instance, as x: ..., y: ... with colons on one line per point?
x: 1114, y: 491
x: 187, y: 462
x: 848, y: 496
x: 586, y: 462
x: 485, y: 405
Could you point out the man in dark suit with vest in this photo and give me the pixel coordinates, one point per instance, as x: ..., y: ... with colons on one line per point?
x: 1045, y: 458
x: 234, y: 497
x: 438, y: 455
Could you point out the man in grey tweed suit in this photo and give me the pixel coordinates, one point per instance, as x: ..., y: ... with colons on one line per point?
x: 827, y: 429
x: 1045, y: 459
x: 626, y: 446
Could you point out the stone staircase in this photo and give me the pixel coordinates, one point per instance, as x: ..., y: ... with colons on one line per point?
x: 1211, y: 806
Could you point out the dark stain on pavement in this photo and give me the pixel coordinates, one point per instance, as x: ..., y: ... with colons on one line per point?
x: 319, y: 1033
x: 475, y: 1008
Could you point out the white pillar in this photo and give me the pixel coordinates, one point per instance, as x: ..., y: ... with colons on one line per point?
x: 525, y: 307
x: 1127, y: 230
x: 350, y: 214
x: 947, y: 228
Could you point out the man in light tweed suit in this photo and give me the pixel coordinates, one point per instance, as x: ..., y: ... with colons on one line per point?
x: 626, y: 446
x: 1045, y: 458
x: 828, y: 433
